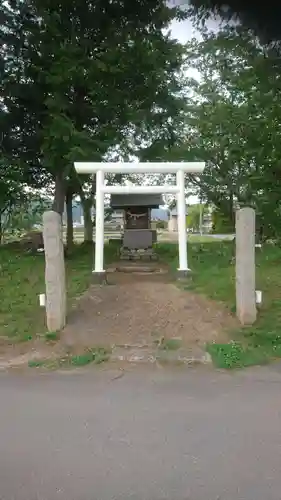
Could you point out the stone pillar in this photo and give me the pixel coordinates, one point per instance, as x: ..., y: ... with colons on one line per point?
x: 54, y: 271
x: 245, y: 266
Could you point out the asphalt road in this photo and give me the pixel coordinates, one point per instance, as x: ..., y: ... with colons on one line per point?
x: 149, y: 435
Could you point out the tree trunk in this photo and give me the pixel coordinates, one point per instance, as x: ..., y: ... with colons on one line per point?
x: 58, y: 203
x: 231, y: 211
x: 69, y: 221
x: 88, y: 223
x: 1, y: 231
x: 87, y: 204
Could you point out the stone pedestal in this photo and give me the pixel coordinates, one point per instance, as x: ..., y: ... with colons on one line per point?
x: 54, y: 271
x: 183, y: 274
x: 99, y: 278
x: 245, y: 266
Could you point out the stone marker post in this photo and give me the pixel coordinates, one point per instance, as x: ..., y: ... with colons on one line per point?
x: 245, y: 266
x: 54, y: 271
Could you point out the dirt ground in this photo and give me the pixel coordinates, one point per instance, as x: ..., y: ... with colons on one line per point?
x: 138, y: 309
x: 18, y: 355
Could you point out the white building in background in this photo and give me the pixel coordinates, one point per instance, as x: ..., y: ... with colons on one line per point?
x: 206, y: 221
x: 173, y: 220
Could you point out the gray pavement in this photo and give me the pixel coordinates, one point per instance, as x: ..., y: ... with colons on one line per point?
x: 152, y: 434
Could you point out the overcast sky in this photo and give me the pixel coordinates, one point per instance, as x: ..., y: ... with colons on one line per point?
x: 183, y: 31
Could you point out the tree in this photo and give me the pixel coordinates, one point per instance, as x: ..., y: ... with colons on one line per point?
x: 23, y: 211
x: 220, y: 223
x: 78, y: 79
x: 233, y: 125
x: 262, y: 18
x: 194, y: 219
x: 11, y: 194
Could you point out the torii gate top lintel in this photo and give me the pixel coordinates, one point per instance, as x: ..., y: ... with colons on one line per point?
x: 141, y: 168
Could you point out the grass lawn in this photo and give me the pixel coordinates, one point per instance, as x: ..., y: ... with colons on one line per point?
x: 22, y: 280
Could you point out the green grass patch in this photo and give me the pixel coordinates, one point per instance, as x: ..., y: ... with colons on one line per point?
x: 95, y: 355
x: 36, y: 363
x: 51, y: 336
x: 214, y: 277
x: 236, y: 355
x: 81, y: 359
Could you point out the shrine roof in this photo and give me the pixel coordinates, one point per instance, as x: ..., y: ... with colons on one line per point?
x: 136, y: 200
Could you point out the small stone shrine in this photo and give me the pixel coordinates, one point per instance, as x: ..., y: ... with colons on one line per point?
x: 138, y: 236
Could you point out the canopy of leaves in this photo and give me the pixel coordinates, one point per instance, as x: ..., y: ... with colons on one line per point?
x: 194, y: 219
x: 20, y: 210
x: 262, y: 17
x: 11, y: 187
x: 233, y: 124
x: 80, y: 78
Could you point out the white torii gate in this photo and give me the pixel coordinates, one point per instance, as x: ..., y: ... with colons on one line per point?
x: 140, y: 168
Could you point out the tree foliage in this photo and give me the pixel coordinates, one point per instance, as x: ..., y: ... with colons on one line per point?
x: 194, y: 219
x: 22, y: 213
x: 79, y: 79
x: 233, y: 121
x: 263, y: 18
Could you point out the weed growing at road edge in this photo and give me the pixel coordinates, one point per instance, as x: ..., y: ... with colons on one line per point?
x: 96, y: 355
x: 51, y: 336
